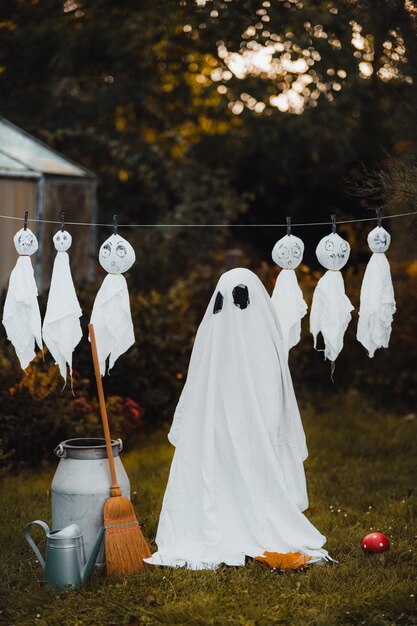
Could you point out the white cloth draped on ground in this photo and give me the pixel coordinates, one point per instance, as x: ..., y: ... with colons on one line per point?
x: 330, y: 313
x: 290, y: 307
x: 377, y: 305
x: 61, y: 329
x: 112, y: 320
x: 21, y: 315
x: 236, y: 485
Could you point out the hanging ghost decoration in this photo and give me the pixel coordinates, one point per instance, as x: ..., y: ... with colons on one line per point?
x: 21, y: 315
x: 61, y: 329
x: 111, y: 316
x: 379, y: 240
x: 377, y: 301
x: 287, y: 296
x: 236, y: 485
x: 331, y: 308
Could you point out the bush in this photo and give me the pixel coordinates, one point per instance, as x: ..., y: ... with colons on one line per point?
x: 36, y: 413
x: 144, y: 385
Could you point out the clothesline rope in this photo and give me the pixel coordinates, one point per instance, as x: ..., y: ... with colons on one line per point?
x: 58, y: 222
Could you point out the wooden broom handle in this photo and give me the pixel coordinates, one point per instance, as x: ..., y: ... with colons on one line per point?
x: 115, y: 489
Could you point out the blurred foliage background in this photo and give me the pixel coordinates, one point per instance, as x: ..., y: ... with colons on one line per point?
x: 235, y: 112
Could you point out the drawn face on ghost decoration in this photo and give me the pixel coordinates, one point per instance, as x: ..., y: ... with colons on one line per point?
x: 379, y: 239
x: 116, y: 255
x: 25, y: 242
x: 62, y: 240
x: 333, y: 252
x: 288, y: 252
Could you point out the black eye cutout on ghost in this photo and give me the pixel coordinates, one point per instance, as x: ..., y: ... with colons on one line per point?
x: 240, y: 299
x: 241, y: 296
x: 218, y: 303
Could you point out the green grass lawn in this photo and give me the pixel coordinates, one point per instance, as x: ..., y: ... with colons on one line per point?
x: 361, y: 473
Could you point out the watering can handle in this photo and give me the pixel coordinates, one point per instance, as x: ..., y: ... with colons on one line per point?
x: 32, y: 543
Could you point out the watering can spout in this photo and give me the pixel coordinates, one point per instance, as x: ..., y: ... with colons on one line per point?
x: 93, y: 556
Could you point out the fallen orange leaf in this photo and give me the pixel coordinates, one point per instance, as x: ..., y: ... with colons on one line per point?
x: 314, y: 509
x: 277, y: 560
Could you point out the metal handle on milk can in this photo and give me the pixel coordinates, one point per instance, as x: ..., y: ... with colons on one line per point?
x: 60, y: 451
x: 120, y: 442
x: 32, y: 543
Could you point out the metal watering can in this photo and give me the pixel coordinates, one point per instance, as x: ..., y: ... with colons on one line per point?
x: 65, y: 563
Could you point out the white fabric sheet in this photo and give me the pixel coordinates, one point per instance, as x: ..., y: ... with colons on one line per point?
x: 330, y: 313
x: 236, y: 485
x: 377, y: 305
x: 112, y: 320
x: 61, y: 329
x: 290, y: 307
x: 21, y: 315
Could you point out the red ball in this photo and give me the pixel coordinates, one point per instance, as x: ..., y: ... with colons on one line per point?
x: 375, y: 542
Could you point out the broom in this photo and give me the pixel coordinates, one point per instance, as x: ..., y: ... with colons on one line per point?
x: 125, y: 544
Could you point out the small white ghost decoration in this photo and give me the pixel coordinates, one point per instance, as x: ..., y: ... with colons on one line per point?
x: 331, y: 308
x: 116, y: 255
x: 287, y: 297
x: 288, y: 252
x: 61, y: 329
x: 333, y: 252
x: 379, y: 239
x: 111, y: 315
x: 377, y: 301
x: 62, y: 241
x: 25, y: 242
x: 21, y: 315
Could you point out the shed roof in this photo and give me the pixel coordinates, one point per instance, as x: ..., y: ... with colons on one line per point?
x: 22, y: 154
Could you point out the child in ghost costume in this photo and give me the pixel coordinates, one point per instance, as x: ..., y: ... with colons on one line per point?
x: 61, y: 329
x: 287, y: 296
x: 236, y: 486
x: 331, y: 308
x: 377, y: 304
x: 111, y: 315
x: 21, y: 315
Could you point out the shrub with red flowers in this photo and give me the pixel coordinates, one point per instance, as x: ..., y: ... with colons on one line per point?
x: 132, y: 413
x: 81, y: 405
x: 125, y: 414
x: 36, y: 413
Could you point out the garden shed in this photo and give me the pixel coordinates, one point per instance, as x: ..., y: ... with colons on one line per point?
x: 36, y: 178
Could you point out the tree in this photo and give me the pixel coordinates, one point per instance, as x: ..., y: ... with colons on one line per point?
x: 212, y: 111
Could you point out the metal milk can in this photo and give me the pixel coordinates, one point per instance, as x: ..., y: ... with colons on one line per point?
x: 81, y: 486
x: 65, y: 564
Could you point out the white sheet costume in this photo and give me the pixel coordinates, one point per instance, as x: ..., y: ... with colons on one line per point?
x: 111, y: 315
x: 331, y: 308
x: 61, y: 329
x: 287, y: 296
x: 236, y: 485
x: 377, y: 304
x: 21, y: 315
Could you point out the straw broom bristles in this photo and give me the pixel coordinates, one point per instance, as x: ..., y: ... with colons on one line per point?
x: 125, y: 545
